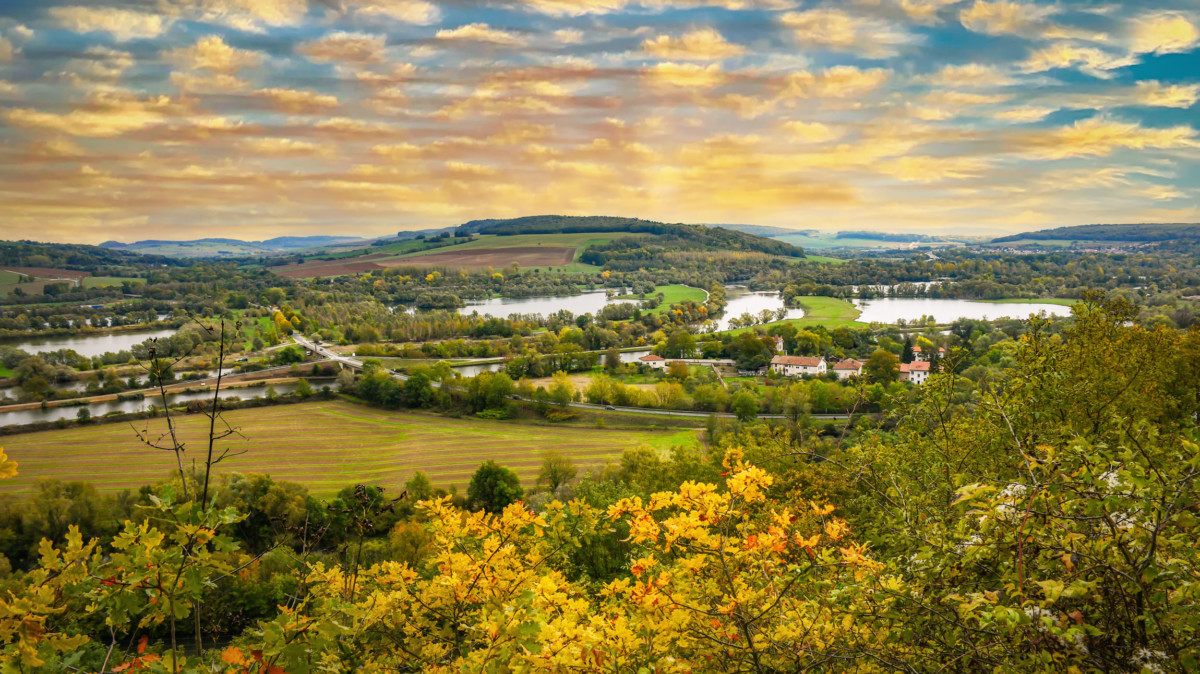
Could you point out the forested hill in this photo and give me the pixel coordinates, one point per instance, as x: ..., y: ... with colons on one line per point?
x: 1129, y: 232
x: 73, y: 256
x: 697, y: 236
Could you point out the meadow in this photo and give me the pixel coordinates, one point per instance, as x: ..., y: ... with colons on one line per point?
x: 325, y: 446
x: 672, y: 294
x: 830, y: 312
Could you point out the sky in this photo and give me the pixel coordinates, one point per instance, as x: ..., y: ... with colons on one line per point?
x: 180, y: 119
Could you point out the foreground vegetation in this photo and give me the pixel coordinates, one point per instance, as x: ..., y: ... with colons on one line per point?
x: 1044, y: 523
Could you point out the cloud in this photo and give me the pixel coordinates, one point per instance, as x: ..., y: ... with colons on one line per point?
x: 1024, y: 114
x: 105, y: 115
x: 1166, y: 33
x: 281, y: 147
x: 705, y: 44
x: 835, y: 82
x: 480, y: 32
x: 1091, y: 60
x: 98, y: 64
x: 813, y: 132
x: 975, y: 75
x: 122, y: 24
x: 296, y: 101
x: 1155, y: 93
x: 1101, y: 136
x: 417, y: 12
x: 211, y: 53
x: 686, y: 75
x: 568, y: 36
x: 836, y: 30
x: 998, y: 18
x: 933, y: 169
x: 6, y: 50
x: 343, y: 47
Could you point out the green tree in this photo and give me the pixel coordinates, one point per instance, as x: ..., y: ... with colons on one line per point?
x: 493, y: 487
x: 745, y: 405
x: 556, y: 470
x: 882, y: 367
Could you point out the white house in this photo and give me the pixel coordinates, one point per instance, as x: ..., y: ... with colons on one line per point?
x: 794, y: 366
x: 848, y: 368
x: 918, y: 354
x: 656, y: 362
x: 916, y: 372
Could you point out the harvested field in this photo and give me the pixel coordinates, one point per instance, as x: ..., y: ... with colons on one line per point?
x: 324, y: 445
x: 314, y: 268
x: 525, y: 256
x: 49, y: 272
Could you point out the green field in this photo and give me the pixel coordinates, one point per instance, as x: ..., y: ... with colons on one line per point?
x: 324, y: 445
x: 108, y: 281
x: 672, y: 294
x: 824, y: 260
x: 828, y: 311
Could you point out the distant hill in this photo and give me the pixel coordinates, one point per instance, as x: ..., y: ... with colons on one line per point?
x: 757, y: 230
x: 1141, y: 232
x: 695, y: 236
x: 216, y: 247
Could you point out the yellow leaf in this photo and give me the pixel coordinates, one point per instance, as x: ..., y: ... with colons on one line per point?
x: 7, y: 468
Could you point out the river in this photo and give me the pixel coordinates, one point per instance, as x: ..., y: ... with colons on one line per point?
x: 99, y: 409
x: 89, y: 345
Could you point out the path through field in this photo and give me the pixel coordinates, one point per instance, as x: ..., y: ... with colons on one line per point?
x: 323, y: 445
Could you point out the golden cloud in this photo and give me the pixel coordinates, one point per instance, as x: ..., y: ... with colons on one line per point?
x: 969, y: 75
x: 104, y: 115
x: 1092, y: 60
x: 687, y: 75
x: 6, y: 50
x: 122, y: 24
x: 998, y: 18
x: 1166, y: 33
x: 417, y: 12
x: 1100, y: 136
x: 813, y: 132
x: 212, y: 54
x: 281, y: 147
x: 1155, y: 93
x: 837, y: 30
x: 480, y: 32
x: 705, y: 44
x: 933, y: 169
x: 297, y: 101
x: 343, y: 47
x: 835, y: 82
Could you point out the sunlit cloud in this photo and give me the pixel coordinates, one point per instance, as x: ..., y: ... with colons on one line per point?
x: 835, y: 29
x: 122, y: 24
x: 480, y: 32
x: 705, y: 44
x: 343, y: 47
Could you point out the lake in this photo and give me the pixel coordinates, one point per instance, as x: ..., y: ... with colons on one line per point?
x: 89, y: 345
x: 892, y: 309
x: 742, y: 301
x: 505, y: 307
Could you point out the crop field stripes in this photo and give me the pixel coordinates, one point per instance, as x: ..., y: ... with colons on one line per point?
x: 325, y: 446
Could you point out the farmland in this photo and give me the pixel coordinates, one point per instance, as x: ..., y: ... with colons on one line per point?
x: 324, y: 446
x: 532, y: 251
x: 827, y: 311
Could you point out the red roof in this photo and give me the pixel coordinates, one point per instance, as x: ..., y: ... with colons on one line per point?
x: 805, y: 361
x: 651, y: 358
x: 848, y: 364
x: 915, y: 366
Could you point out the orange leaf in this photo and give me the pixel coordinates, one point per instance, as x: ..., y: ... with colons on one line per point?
x: 233, y: 656
x: 142, y: 644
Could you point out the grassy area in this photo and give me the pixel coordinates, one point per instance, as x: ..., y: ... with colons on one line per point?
x: 5, y: 372
x: 828, y: 311
x: 108, y: 281
x: 824, y: 260
x: 7, y: 277
x: 327, y: 445
x: 672, y: 294
x: 1041, y: 300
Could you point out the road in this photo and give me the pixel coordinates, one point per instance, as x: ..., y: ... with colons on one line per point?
x: 586, y: 406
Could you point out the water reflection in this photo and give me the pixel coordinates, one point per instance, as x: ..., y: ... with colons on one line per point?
x: 892, y: 309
